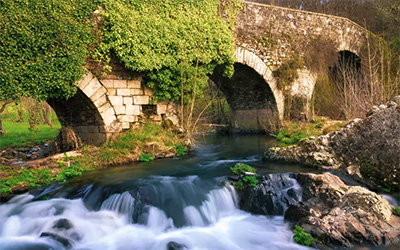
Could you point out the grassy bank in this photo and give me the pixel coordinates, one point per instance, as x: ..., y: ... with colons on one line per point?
x: 145, y: 143
x: 292, y: 132
x: 17, y: 133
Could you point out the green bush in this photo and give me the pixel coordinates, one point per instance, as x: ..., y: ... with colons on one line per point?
x: 180, y: 150
x: 303, y: 238
x: 146, y: 157
x: 240, y: 169
x: 289, y: 138
x: 396, y: 211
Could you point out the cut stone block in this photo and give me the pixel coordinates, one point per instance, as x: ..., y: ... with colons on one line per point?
x: 120, y: 84
x: 161, y: 108
x: 119, y: 109
x: 141, y: 100
x: 124, y: 92
x: 132, y: 109
x: 111, y: 92
x: 116, y: 100
x: 99, y: 93
x: 125, y: 125
x: 101, y: 101
x: 108, y: 83
x: 134, y: 84
x: 128, y: 100
x: 136, y: 91
x: 92, y: 87
x: 85, y: 80
x: 127, y: 118
x: 148, y: 91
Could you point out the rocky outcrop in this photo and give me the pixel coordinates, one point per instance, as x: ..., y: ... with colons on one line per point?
x: 338, y: 214
x: 370, y: 146
x: 272, y: 195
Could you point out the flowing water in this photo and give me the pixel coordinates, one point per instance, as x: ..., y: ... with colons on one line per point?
x: 182, y: 203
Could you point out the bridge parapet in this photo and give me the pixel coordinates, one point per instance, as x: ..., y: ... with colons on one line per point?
x: 274, y: 33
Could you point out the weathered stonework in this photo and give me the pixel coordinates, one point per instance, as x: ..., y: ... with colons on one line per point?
x: 265, y: 37
x: 106, y: 106
x: 274, y: 34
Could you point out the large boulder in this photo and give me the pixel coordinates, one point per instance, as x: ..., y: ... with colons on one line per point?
x: 370, y: 146
x: 338, y: 214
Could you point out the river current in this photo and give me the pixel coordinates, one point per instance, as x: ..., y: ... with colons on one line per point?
x: 181, y: 203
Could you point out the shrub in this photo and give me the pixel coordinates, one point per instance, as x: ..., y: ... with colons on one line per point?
x: 303, y: 238
x: 240, y: 169
x: 146, y: 157
x: 180, y: 150
x: 396, y: 211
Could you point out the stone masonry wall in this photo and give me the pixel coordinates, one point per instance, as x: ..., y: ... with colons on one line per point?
x: 121, y: 101
x: 275, y: 34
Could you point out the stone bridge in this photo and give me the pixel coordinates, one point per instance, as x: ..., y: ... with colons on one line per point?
x: 266, y: 36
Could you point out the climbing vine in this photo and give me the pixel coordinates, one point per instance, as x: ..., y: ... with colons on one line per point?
x: 172, y: 41
x: 43, y: 46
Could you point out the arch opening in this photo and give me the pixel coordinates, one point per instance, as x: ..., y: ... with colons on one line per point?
x: 79, y: 117
x: 251, y: 100
x: 343, y: 94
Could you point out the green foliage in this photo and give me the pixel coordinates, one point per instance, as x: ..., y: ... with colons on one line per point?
x: 29, y: 178
x: 146, y: 157
x: 180, y: 150
x: 396, y: 211
x: 287, y: 137
x: 43, y: 47
x: 287, y: 72
x: 167, y: 39
x: 303, y: 238
x: 319, y: 125
x: 240, y: 169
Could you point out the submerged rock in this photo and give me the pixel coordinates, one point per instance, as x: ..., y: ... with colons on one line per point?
x: 338, y: 214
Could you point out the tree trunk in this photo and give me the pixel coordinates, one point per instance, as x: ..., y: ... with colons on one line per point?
x: 1, y: 128
x: 2, y: 108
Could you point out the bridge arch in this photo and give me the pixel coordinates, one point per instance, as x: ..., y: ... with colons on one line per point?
x: 250, y: 59
x: 252, y: 94
x: 88, y: 114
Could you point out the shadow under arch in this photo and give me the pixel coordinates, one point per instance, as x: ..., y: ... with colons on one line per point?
x: 80, y: 115
x: 252, y: 102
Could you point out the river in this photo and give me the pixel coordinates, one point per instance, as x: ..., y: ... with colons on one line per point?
x: 180, y: 203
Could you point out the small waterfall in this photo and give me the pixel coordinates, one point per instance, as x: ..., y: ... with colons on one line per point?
x: 120, y: 203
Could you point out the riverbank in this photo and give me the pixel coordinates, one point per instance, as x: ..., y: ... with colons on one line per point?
x: 144, y: 143
x: 367, y: 150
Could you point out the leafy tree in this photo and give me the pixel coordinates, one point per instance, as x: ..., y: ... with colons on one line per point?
x: 43, y: 46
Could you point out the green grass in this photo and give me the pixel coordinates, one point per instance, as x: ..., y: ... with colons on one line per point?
x: 292, y: 132
x: 18, y: 133
x: 141, y: 144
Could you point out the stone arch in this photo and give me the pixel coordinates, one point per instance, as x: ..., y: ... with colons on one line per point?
x: 250, y: 59
x: 89, y: 113
x: 253, y: 103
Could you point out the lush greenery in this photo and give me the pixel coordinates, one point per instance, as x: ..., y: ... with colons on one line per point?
x: 44, y: 44
x: 19, y: 134
x: 396, y: 211
x: 143, y: 143
x: 246, y: 180
x: 174, y: 41
x: 291, y: 132
x: 146, y: 157
x: 303, y: 238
